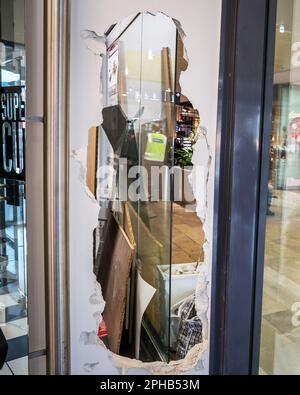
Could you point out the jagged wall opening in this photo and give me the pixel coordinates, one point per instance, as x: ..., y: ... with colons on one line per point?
x: 202, y: 157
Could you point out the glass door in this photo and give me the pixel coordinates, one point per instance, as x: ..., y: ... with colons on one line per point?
x: 280, y: 341
x: 13, y: 268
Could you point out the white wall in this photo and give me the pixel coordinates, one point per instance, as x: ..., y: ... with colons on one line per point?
x: 201, y: 21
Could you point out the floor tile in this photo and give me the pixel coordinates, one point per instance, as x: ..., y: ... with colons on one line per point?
x: 15, y: 329
x: 5, y: 371
x: 19, y: 366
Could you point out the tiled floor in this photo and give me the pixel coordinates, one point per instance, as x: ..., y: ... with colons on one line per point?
x: 13, y: 310
x: 188, y: 236
x: 14, y: 329
x: 19, y: 367
x: 280, y: 346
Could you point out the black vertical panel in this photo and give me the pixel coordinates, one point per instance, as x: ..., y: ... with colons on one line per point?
x: 249, y: 76
x: 222, y: 184
x: 245, y: 29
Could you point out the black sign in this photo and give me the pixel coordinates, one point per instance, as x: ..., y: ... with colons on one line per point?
x: 12, y: 137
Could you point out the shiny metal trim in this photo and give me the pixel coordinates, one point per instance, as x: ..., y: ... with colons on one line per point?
x: 37, y: 354
x: 35, y: 119
x: 57, y: 32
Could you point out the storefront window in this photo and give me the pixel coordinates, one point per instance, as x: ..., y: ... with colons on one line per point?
x: 13, y: 275
x: 280, y: 346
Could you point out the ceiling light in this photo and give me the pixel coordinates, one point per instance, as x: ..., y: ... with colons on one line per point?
x: 282, y: 29
x: 150, y: 54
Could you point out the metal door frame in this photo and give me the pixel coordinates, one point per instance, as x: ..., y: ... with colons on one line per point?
x: 47, y: 43
x: 243, y: 139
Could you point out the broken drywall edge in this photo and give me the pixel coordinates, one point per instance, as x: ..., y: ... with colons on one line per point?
x: 159, y: 368
x: 202, y: 159
x: 80, y: 157
x: 180, y: 31
x: 195, y: 356
x: 201, y: 149
x: 95, y: 43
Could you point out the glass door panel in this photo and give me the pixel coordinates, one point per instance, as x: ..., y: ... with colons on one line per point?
x: 280, y: 342
x: 13, y: 268
x: 153, y: 166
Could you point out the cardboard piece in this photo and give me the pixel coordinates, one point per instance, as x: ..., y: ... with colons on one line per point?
x: 145, y: 293
x: 114, y: 272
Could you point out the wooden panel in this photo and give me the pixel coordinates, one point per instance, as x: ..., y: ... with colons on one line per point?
x: 92, y: 160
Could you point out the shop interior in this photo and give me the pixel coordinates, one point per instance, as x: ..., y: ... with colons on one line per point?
x: 148, y: 247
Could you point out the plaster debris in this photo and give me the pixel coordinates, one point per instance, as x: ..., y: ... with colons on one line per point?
x: 95, y: 299
x: 159, y: 368
x: 95, y: 43
x: 89, y: 338
x: 80, y: 157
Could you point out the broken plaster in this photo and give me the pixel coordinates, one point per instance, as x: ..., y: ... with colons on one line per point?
x: 202, y: 157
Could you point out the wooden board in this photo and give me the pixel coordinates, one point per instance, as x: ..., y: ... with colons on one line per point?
x: 92, y: 160
x: 114, y: 272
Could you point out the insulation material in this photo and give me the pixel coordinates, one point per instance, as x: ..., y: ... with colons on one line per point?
x: 199, y: 83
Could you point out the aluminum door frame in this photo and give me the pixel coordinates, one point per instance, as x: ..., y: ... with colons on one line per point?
x: 244, y: 127
x: 47, y: 147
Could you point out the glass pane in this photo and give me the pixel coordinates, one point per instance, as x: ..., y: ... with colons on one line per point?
x: 146, y: 139
x: 13, y: 275
x: 280, y: 343
x: 156, y: 159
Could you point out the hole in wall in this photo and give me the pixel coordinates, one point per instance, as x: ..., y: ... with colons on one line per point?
x: 149, y: 246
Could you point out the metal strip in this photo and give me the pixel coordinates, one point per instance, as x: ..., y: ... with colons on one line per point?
x: 57, y: 14
x: 35, y: 119
x: 37, y: 354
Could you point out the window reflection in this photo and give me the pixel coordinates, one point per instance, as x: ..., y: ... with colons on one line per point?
x: 280, y: 346
x: 13, y: 271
